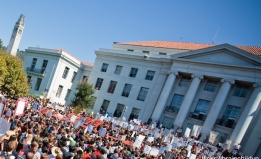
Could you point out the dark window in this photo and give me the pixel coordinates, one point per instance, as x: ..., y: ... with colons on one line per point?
x: 33, y: 63
x: 59, y: 91
x: 118, y: 70
x: 112, y: 86
x: 98, y: 83
x: 150, y: 75
x: 130, y: 50
x: 85, y: 78
x: 163, y: 53
x: 143, y: 93
x: 105, y: 105
x: 126, y: 90
x: 38, y: 84
x: 104, y: 67
x: 133, y: 72
x: 45, y: 62
x: 146, y: 52
x: 65, y: 72
x: 241, y: 91
x: 185, y: 81
x: 211, y: 86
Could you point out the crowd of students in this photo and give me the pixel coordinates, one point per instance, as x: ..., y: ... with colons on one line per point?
x: 39, y: 136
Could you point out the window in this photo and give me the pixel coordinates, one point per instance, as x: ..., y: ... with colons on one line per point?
x: 73, y: 76
x: 229, y: 116
x: 112, y: 86
x: 38, y: 84
x: 45, y: 62
x: 150, y: 75
x: 29, y: 80
x: 202, y: 107
x: 98, y: 83
x: 211, y: 86
x: 130, y: 50
x: 146, y: 52
x: 241, y: 91
x: 118, y: 111
x: 65, y: 72
x: 104, y: 67
x: 162, y: 53
x: 67, y: 94
x: 133, y: 72
x: 185, y: 81
x: 33, y: 63
x: 167, y: 122
x: 126, y: 90
x: 104, y: 107
x: 118, y: 70
x: 59, y: 91
x: 175, y: 103
x: 134, y: 114
x: 20, y: 31
x: 85, y: 78
x: 143, y: 93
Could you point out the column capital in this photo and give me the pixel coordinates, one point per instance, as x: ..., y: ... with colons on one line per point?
x: 257, y: 85
x: 201, y: 77
x: 228, y: 81
x: 176, y: 73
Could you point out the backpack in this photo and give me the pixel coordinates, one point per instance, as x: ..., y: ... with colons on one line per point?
x: 6, y: 155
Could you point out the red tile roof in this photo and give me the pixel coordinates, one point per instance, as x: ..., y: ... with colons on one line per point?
x: 256, y: 50
x: 87, y: 63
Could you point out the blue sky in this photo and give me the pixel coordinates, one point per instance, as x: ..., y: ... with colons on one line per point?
x: 83, y: 26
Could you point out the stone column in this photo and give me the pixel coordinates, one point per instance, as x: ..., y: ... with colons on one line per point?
x: 184, y: 108
x: 216, y: 107
x: 246, y: 117
x: 160, y: 106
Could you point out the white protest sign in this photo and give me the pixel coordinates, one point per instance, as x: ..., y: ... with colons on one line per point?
x: 133, y: 133
x: 1, y: 108
x: 49, y: 113
x: 147, y: 149
x: 150, y: 139
x: 175, y: 146
x: 189, y: 147
x: 174, y: 140
x: 212, y: 136
x: 187, y: 132
x: 102, y: 132
x: 130, y: 127
x: 166, y: 132
x: 166, y: 139
x: 20, y: 107
x: 77, y: 124
x: 138, y: 141
x: 188, y: 154
x: 154, y: 151
x: 73, y: 117
x: 124, y: 125
x: 192, y: 156
x: 89, y: 128
x: 168, y: 147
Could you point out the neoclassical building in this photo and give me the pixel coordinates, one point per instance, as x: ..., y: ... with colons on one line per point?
x: 184, y: 84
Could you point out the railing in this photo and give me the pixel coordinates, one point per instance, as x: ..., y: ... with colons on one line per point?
x: 226, y: 123
x: 34, y: 70
x: 172, y: 109
x: 198, y: 116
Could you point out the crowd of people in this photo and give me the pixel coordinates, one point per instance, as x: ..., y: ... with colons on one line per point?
x: 36, y: 135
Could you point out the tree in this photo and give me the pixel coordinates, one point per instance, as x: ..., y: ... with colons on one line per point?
x: 1, y: 44
x: 14, y: 80
x: 83, y: 97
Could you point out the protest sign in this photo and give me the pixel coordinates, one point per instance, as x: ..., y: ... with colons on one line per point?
x: 175, y: 146
x: 1, y: 108
x: 147, y: 149
x: 154, y: 151
x: 49, y: 113
x: 166, y: 132
x: 138, y: 141
x: 130, y: 127
x: 73, y: 117
x: 162, y: 149
x: 102, y: 132
x: 212, y: 136
x: 192, y: 156
x: 168, y: 147
x: 189, y: 147
x: 150, y: 139
x: 89, y: 128
x: 4, y: 125
x: 20, y: 106
x: 187, y: 132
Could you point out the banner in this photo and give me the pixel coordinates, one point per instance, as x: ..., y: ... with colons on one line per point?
x: 2, y: 107
x: 73, y: 117
x: 102, y: 132
x: 154, y: 151
x: 147, y: 149
x: 88, y: 129
x: 138, y: 141
x: 212, y: 136
x: 20, y: 106
x: 196, y: 130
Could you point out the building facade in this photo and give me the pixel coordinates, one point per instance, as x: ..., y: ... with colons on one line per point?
x: 184, y: 84
x: 54, y: 73
x: 16, y: 36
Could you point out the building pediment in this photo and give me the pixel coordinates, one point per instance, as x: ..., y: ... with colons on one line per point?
x: 224, y: 54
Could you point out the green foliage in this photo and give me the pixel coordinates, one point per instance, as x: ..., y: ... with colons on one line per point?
x: 13, y: 80
x: 83, y: 98
x: 1, y: 44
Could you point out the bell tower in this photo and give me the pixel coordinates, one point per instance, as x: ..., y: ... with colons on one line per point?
x: 16, y: 36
